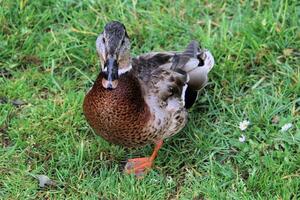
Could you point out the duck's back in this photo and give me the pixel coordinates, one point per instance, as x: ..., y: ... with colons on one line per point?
x: 194, y: 63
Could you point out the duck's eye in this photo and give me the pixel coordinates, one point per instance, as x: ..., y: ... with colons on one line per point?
x: 171, y: 91
x: 103, y: 40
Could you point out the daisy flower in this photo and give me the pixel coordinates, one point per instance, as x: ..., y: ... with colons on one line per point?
x: 242, y: 138
x: 286, y: 127
x: 244, y: 125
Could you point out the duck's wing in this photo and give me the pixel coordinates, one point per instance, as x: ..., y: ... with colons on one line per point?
x: 194, y: 64
x: 145, y: 64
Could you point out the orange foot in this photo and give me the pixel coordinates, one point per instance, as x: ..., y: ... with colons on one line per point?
x: 140, y: 166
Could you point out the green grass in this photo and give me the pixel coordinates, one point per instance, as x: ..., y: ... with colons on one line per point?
x: 48, y: 60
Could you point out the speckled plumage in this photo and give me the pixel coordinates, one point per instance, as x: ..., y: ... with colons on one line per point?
x: 118, y: 115
x: 151, y: 100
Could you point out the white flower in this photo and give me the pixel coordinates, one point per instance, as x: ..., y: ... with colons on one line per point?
x: 153, y: 180
x: 244, y: 125
x: 242, y: 138
x: 286, y: 127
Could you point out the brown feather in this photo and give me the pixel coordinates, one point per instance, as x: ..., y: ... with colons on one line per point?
x: 118, y: 115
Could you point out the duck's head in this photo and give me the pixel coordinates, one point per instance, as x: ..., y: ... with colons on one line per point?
x: 113, y: 47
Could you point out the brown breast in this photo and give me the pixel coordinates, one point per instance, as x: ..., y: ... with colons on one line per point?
x: 118, y: 115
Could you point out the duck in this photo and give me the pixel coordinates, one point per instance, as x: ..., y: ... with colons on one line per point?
x: 142, y: 100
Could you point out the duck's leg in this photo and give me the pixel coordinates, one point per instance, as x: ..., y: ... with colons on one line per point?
x: 140, y: 166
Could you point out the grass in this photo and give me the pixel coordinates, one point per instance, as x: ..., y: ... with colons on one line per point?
x: 48, y: 61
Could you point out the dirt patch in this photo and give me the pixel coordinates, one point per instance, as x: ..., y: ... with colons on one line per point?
x: 5, y: 140
x: 31, y: 59
x: 5, y: 73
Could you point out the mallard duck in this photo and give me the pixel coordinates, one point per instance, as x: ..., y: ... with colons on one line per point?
x: 136, y: 101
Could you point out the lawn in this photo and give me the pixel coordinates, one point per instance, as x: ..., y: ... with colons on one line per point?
x: 48, y: 62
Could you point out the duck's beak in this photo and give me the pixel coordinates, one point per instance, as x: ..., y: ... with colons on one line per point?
x: 111, y: 80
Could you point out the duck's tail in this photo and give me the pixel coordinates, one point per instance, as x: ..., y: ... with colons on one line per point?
x: 196, y: 63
